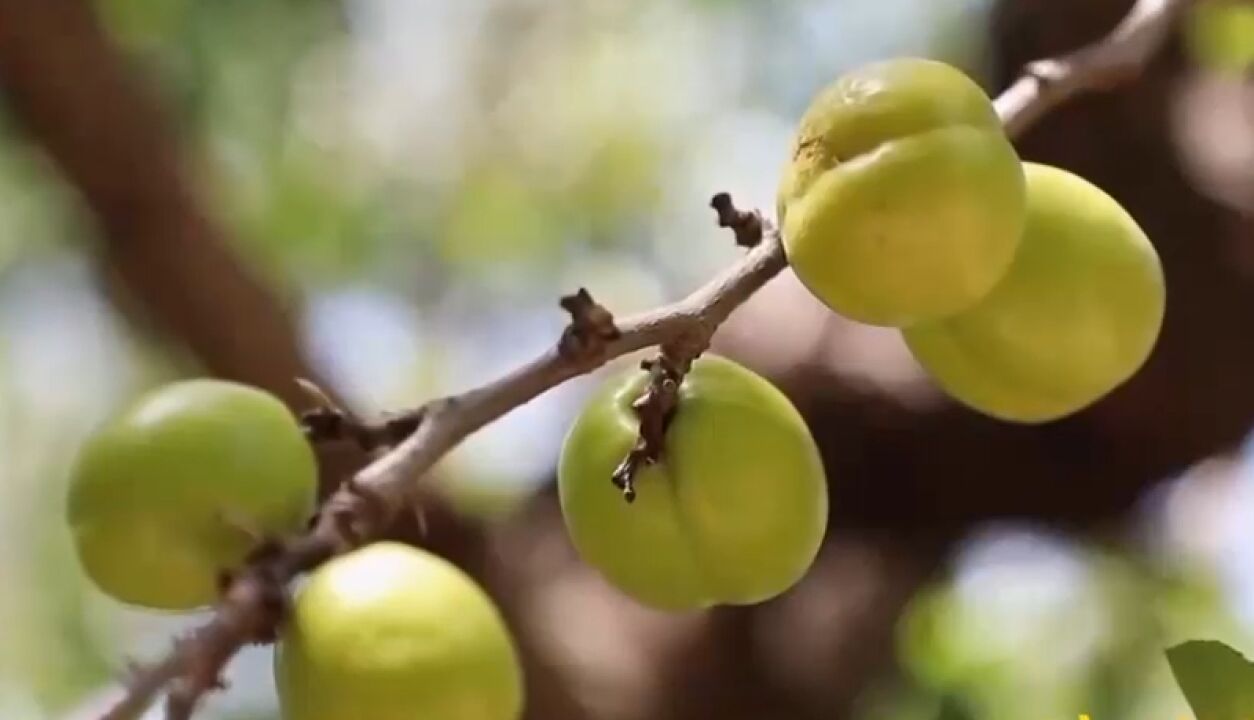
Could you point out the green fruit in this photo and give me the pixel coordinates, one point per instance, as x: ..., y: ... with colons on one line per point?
x: 1075, y: 317
x: 391, y: 632
x: 179, y: 486
x: 904, y: 199
x: 733, y: 513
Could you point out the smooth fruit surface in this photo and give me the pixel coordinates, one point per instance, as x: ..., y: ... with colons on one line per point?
x: 391, y: 632
x: 1076, y: 316
x: 903, y: 200
x: 176, y: 488
x: 733, y: 513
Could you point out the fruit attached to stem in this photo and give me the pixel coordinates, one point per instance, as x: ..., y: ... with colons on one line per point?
x: 903, y: 200
x: 732, y: 513
x: 182, y: 485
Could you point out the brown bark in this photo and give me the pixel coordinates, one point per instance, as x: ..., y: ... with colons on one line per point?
x: 77, y: 96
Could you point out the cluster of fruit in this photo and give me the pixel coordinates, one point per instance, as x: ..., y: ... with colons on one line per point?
x: 1024, y: 290
x: 180, y: 486
x: 1027, y: 292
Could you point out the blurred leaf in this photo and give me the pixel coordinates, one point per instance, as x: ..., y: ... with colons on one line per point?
x: 142, y: 24
x: 1217, y: 680
x: 499, y: 217
x: 1220, y: 35
x: 620, y: 178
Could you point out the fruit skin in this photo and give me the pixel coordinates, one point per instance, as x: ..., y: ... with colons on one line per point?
x: 1076, y: 316
x: 735, y: 511
x: 903, y: 200
x: 391, y: 632
x: 165, y: 496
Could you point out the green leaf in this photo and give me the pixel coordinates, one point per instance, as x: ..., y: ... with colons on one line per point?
x: 1217, y: 681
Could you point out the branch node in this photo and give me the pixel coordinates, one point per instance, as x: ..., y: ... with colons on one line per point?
x: 355, y: 512
x: 329, y: 422
x: 591, y: 327
x: 747, y: 226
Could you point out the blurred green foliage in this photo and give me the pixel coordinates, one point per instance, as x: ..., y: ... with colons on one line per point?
x: 1057, y: 630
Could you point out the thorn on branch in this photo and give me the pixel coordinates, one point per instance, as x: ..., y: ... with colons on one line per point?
x: 655, y: 407
x: 328, y: 422
x: 591, y: 327
x: 748, y: 226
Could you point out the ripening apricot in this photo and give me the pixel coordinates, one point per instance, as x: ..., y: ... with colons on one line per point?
x: 180, y: 485
x: 733, y: 513
x: 392, y: 632
x: 1076, y: 316
x: 903, y: 200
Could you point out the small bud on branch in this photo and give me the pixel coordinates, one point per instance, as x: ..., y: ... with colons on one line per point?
x: 746, y: 225
x: 591, y: 327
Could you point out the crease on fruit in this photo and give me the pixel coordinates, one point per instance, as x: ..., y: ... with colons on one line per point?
x: 696, y: 562
x: 814, y: 157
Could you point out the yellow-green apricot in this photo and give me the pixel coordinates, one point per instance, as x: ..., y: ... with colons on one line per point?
x: 176, y: 488
x: 392, y: 632
x: 903, y: 200
x: 1076, y: 316
x: 733, y: 513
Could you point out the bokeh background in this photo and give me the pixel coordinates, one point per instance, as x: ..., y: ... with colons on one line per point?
x: 390, y: 196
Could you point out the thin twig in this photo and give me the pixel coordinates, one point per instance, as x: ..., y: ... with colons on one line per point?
x: 357, y: 512
x: 1116, y: 58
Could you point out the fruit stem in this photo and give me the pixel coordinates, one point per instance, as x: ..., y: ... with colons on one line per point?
x: 655, y: 407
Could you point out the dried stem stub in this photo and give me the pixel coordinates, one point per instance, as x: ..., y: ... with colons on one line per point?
x: 748, y: 226
x: 591, y: 327
x: 655, y: 407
